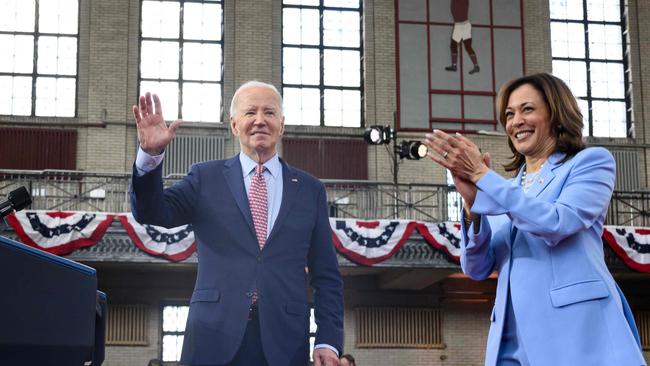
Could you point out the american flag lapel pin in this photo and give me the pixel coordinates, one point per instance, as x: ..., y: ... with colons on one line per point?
x: 294, y: 180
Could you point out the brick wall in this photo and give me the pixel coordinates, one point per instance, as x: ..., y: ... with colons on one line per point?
x: 464, y: 334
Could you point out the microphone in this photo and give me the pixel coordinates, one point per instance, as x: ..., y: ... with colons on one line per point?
x: 16, y: 200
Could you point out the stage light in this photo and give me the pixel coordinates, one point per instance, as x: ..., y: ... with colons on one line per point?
x: 376, y: 135
x: 412, y: 150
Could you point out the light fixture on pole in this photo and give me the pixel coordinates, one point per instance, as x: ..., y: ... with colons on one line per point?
x: 412, y: 150
x: 377, y: 135
x: 407, y: 149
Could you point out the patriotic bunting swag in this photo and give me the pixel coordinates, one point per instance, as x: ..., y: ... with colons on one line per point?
x: 175, y: 244
x: 59, y: 232
x: 631, y: 244
x: 363, y: 242
x: 369, y: 242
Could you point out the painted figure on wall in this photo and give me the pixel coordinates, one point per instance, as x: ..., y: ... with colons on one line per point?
x: 461, y: 33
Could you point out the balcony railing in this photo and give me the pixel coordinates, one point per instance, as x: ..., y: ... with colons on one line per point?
x: 108, y: 192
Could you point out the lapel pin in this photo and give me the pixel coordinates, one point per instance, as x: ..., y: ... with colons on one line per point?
x: 295, y: 180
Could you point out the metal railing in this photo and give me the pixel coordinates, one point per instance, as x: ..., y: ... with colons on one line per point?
x: 109, y: 192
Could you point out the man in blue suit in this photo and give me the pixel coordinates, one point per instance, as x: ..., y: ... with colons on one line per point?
x: 260, y: 225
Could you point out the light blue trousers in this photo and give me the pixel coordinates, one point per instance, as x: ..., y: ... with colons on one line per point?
x: 511, y: 349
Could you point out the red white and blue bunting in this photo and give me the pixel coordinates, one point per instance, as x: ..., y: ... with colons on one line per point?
x: 631, y: 244
x: 59, y: 232
x: 363, y: 242
x: 443, y: 236
x: 370, y: 242
x: 175, y: 244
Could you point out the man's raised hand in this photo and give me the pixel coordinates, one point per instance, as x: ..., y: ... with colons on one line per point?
x: 153, y: 133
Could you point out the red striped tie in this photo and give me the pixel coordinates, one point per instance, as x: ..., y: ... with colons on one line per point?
x: 257, y: 198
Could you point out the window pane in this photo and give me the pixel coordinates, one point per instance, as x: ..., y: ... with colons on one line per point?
x: 301, y: 2
x: 342, y: 68
x: 312, y: 341
x: 341, y: 28
x: 566, y: 9
x: 342, y: 3
x: 202, y: 21
x: 301, y: 66
x: 201, y: 102
x: 16, y: 95
x: 302, y: 106
x: 160, y: 19
x: 58, y: 16
x: 57, y: 55
x: 172, y: 347
x: 568, y: 40
x: 607, y: 80
x: 574, y: 73
x: 343, y: 108
x: 605, y: 42
x: 55, y: 96
x: 313, y: 327
x: 46, y: 96
x: 17, y: 15
x: 604, y: 10
x: 300, y: 26
x: 609, y: 119
x: 202, y: 61
x: 159, y: 60
x: 17, y: 53
x: 168, y: 93
x: 174, y: 318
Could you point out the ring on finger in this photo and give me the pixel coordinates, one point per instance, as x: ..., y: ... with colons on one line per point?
x: 444, y: 155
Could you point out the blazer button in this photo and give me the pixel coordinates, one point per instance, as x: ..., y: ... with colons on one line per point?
x: 259, y: 259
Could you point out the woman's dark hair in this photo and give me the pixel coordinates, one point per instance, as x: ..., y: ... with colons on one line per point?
x: 350, y: 359
x: 565, y: 115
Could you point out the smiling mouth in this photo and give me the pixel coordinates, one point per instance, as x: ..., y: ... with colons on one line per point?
x: 523, y: 134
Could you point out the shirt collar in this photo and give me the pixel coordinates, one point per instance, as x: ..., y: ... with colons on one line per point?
x: 248, y: 164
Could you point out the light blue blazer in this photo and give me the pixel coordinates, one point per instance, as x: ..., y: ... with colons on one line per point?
x: 547, y: 249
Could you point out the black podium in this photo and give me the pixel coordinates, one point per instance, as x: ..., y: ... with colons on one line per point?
x: 50, y: 310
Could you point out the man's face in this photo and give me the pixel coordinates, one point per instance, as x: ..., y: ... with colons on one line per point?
x: 258, y: 122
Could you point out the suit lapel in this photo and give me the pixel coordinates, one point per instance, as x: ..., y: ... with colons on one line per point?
x: 290, y: 186
x: 546, y: 175
x: 235, y: 179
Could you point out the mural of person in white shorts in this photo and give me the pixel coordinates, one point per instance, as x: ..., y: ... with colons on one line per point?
x: 461, y: 33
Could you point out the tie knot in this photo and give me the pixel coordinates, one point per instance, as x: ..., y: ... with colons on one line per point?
x: 259, y: 169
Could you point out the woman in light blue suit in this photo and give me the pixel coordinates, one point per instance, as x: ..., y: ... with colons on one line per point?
x: 556, y: 302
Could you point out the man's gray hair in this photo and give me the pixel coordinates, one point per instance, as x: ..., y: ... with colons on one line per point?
x: 254, y: 84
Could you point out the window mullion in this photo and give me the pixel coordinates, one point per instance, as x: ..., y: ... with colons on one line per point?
x: 626, y: 76
x: 181, y: 45
x: 321, y: 48
x: 588, y: 67
x: 34, y: 68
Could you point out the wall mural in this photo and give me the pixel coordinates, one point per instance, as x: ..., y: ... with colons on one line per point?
x: 461, y: 33
x: 452, y: 57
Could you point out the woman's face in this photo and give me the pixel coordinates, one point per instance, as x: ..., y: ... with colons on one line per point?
x: 528, y: 123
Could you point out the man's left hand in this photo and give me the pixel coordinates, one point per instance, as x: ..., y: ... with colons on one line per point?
x: 325, y: 357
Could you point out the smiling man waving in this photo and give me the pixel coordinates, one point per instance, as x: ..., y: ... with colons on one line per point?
x: 258, y: 223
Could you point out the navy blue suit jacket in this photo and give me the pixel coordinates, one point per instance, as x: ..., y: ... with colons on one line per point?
x: 212, y: 197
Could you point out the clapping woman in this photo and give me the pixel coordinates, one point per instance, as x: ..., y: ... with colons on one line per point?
x: 556, y: 302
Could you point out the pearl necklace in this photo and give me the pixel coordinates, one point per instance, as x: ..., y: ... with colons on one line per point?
x: 528, y: 180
